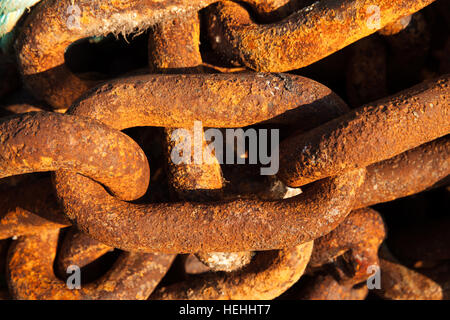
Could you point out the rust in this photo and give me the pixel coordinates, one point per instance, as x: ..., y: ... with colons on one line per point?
x: 78, y: 249
x: 396, y: 26
x: 409, y: 173
x: 401, y: 283
x: 369, y: 134
x: 358, y: 237
x: 53, y: 26
x: 175, y: 46
x: 226, y: 101
x: 304, y: 37
x: 50, y: 29
x: 187, y: 227
x: 45, y: 141
x: 30, y: 273
x: 266, y: 277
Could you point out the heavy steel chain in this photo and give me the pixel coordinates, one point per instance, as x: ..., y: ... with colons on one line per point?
x: 79, y: 166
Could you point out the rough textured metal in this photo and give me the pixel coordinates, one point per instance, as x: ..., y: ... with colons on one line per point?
x: 430, y: 241
x: 45, y: 141
x: 326, y: 287
x: 401, y: 283
x: 409, y: 173
x: 31, y: 207
x: 396, y: 26
x: 218, y: 100
x: 30, y: 273
x: 78, y: 249
x: 357, y: 239
x: 266, y: 277
x: 52, y: 26
x: 304, y: 37
x: 188, y: 227
x: 372, y: 133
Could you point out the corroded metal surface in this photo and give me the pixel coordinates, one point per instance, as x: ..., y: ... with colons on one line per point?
x: 195, y: 227
x: 266, y: 277
x: 411, y: 172
x: 30, y: 273
x: 304, y: 37
x: 78, y: 169
x: 372, y: 133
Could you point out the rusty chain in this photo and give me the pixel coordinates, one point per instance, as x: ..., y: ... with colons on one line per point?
x: 224, y: 65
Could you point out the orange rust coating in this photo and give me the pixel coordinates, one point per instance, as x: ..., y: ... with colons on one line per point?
x: 266, y: 277
x: 52, y: 27
x: 408, y: 173
x: 218, y: 100
x: 46, y: 141
x: 174, y: 46
x: 304, y: 37
x: 396, y: 26
x: 430, y: 241
x: 30, y: 273
x: 225, y: 226
x: 366, y: 74
x: 401, y: 283
x: 78, y: 249
x: 369, y: 134
x: 326, y: 287
x: 360, y: 235
x: 31, y: 207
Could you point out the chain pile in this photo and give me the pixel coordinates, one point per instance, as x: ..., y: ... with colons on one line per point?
x: 76, y: 187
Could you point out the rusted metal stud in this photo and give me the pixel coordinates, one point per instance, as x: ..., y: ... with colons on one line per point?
x: 78, y: 249
x: 174, y: 46
x: 31, y: 207
x: 408, y: 173
x: 366, y: 72
x: 369, y: 134
x: 304, y: 37
x: 358, y: 237
x: 46, y: 141
x: 188, y: 227
x: 30, y: 273
x: 226, y: 101
x: 266, y: 277
x: 326, y: 287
